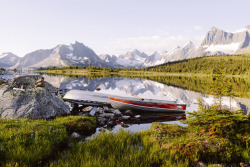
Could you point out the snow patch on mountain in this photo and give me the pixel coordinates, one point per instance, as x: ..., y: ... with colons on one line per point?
x: 70, y: 48
x: 3, y: 55
x: 133, y: 58
x: 227, y: 48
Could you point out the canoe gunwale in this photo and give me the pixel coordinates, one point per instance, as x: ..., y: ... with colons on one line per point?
x: 124, y: 106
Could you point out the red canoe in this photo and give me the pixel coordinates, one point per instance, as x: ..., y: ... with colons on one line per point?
x: 146, y: 105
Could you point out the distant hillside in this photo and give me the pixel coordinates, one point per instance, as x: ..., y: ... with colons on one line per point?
x: 231, y: 64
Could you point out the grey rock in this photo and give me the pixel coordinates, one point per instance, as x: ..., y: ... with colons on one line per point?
x: 87, y: 109
x: 117, y: 112
x: 76, y: 135
x: 102, y: 121
x: 126, y: 117
x: 107, y: 115
x: 129, y: 113
x: 93, y: 111
x: 107, y: 110
x: 99, y: 110
x: 124, y: 125
x: 36, y: 103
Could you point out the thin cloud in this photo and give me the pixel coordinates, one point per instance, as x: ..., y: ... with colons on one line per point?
x: 147, y: 44
x: 197, y: 27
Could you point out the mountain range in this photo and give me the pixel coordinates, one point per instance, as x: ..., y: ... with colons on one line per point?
x: 216, y: 42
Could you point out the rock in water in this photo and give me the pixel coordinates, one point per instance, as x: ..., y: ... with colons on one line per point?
x: 36, y: 103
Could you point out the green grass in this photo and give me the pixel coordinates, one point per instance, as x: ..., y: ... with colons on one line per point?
x: 115, y: 149
x: 28, y: 142
x: 212, y: 136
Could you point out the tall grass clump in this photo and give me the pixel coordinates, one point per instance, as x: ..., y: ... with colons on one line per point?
x: 25, y: 142
x: 123, y: 148
x: 213, y: 135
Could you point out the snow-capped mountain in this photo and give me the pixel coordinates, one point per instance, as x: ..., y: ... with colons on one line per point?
x: 8, y: 59
x: 107, y: 58
x: 133, y: 58
x: 156, y: 58
x: 219, y: 42
x: 216, y: 42
x: 178, y: 53
x: 62, y: 55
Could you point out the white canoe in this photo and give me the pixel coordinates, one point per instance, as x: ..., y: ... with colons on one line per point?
x: 146, y: 105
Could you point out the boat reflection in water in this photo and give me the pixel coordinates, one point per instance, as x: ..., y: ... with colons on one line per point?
x: 146, y: 120
x: 156, y: 117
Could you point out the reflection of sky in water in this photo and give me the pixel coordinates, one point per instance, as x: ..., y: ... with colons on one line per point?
x: 141, y: 87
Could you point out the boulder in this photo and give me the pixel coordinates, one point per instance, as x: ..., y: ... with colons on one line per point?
x: 32, y: 102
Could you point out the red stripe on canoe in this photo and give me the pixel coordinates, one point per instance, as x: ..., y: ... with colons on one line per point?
x: 151, y: 104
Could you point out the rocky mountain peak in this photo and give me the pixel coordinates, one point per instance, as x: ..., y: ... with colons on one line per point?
x: 8, y: 59
x: 248, y: 27
x: 188, y: 44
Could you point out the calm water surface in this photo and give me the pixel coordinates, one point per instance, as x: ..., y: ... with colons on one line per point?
x: 141, y: 87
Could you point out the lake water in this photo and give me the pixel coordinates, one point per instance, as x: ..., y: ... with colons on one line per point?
x: 141, y: 87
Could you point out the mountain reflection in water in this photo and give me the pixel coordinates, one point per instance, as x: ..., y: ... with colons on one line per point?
x: 144, y: 88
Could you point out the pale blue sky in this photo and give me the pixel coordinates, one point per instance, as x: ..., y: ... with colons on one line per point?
x: 114, y: 26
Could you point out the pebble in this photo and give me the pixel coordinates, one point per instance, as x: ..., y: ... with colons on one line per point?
x: 129, y: 113
x: 124, y: 125
x: 126, y: 117
x: 107, y: 115
x: 137, y: 116
x: 76, y: 135
x: 87, y: 109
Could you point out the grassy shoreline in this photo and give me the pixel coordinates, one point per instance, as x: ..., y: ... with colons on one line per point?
x: 85, y: 72
x: 212, y: 136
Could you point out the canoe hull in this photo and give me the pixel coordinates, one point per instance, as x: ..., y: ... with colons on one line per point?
x: 135, y: 105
